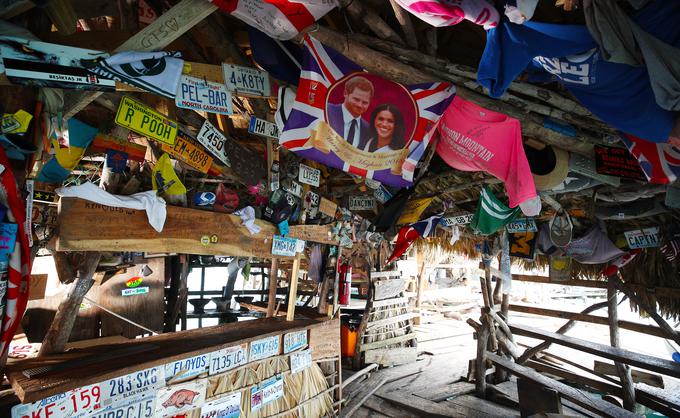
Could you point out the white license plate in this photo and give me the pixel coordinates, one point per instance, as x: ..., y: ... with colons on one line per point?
x: 246, y: 80
x: 228, y: 358
x: 213, y: 140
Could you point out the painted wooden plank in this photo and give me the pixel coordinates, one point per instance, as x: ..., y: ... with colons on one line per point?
x: 389, y: 341
x: 593, y: 404
x: 632, y: 358
x: 387, y: 357
x: 86, y: 226
x: 382, y: 322
x: 165, y: 29
x: 388, y: 302
x: 388, y: 288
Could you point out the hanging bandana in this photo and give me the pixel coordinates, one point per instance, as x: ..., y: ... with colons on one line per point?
x: 492, y: 214
x: 157, y: 72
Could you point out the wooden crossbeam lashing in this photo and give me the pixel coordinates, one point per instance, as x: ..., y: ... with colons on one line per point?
x: 87, y: 226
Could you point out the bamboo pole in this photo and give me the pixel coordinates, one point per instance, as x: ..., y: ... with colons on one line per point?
x: 273, y: 284
x: 622, y: 369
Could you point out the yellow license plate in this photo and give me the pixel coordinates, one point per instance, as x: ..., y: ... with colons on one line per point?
x: 188, y: 152
x: 144, y: 120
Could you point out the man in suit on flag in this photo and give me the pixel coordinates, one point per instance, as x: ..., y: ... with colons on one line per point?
x: 345, y: 118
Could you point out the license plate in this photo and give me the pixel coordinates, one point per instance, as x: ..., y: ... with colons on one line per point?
x: 457, y: 220
x: 300, y: 360
x: 522, y: 225
x: 309, y: 175
x: 224, y: 407
x: 187, y: 368
x: 132, y: 385
x: 76, y: 403
x: 261, y: 127
x: 197, y: 94
x: 187, y: 151
x: 266, y: 347
x: 213, y: 140
x: 135, y: 407
x: 228, y: 358
x: 172, y: 400
x: 284, y: 247
x: 144, y: 120
x: 246, y: 80
x: 294, y: 340
x: 361, y: 202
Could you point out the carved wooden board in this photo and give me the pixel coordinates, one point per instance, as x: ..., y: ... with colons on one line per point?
x: 388, y: 288
x: 87, y: 226
x: 325, y: 340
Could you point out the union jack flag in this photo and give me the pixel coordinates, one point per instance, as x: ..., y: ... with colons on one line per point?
x: 659, y: 161
x: 280, y: 19
x: 410, y: 233
x: 322, y: 67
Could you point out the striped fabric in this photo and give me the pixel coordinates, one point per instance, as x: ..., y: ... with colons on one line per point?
x: 19, y: 270
x: 280, y: 19
x: 321, y: 68
x: 451, y: 12
x: 659, y: 161
x: 492, y: 214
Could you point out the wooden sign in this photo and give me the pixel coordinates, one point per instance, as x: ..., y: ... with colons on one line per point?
x: 300, y: 360
x: 145, y: 121
x: 522, y: 225
x: 325, y: 339
x: 228, y: 358
x: 187, y: 151
x: 522, y: 244
x: 213, y: 140
x: 328, y: 207
x: 173, y: 399
x: 309, y: 175
x: 294, y: 340
x: 617, y: 162
x: 187, y: 368
x: 196, y: 94
x: 463, y: 219
x: 642, y: 238
x: 246, y: 80
x: 262, y: 127
x: 264, y: 348
x: 360, y: 203
x: 225, y: 407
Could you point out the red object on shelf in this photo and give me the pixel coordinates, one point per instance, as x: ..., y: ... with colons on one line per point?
x: 345, y: 271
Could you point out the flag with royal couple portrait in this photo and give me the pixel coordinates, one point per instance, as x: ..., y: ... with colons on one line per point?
x: 361, y: 123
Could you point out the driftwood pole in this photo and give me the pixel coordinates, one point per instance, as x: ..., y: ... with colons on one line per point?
x: 530, y: 352
x: 623, y: 370
x: 273, y: 283
x: 419, y: 295
x: 651, y: 310
x: 62, y: 325
x: 480, y: 363
x: 406, y: 24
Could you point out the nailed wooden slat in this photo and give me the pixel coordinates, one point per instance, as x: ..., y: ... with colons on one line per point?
x: 382, y: 322
x: 389, y: 341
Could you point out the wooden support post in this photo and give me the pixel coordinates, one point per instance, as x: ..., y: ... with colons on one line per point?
x: 530, y: 352
x: 480, y: 363
x: 651, y: 310
x: 622, y: 369
x: 292, y: 291
x: 58, y: 334
x: 273, y: 284
x: 404, y: 19
x: 63, y: 16
x: 419, y: 294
